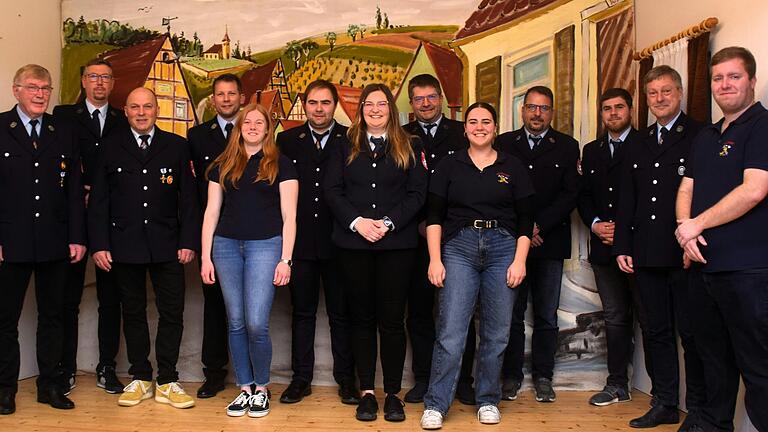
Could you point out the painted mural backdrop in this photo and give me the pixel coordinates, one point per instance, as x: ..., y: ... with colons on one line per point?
x: 177, y: 48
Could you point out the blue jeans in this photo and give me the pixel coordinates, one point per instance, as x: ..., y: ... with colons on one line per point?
x: 245, y: 269
x: 476, y: 263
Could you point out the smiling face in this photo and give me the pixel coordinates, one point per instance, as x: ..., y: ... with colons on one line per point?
x: 254, y: 128
x: 427, y: 104
x: 376, y: 111
x: 664, y: 98
x: 97, y: 82
x: 141, y: 110
x: 33, y: 95
x: 731, y: 86
x: 319, y: 107
x: 536, y: 112
x: 480, y: 127
x: 227, y: 99
x: 616, y: 114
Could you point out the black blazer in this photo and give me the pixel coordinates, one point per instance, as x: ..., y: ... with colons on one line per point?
x: 373, y: 188
x: 553, y: 167
x: 314, y: 221
x: 449, y: 138
x: 144, y: 209
x: 41, y: 191
x: 601, y: 188
x: 206, y: 142
x: 651, y: 174
x: 88, y: 139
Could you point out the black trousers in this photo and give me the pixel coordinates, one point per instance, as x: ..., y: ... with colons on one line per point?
x: 168, y: 283
x: 50, y: 278
x: 108, y: 322
x: 421, y: 323
x: 215, y: 352
x: 665, y: 300
x: 376, y: 286
x: 731, y: 331
x: 306, y: 277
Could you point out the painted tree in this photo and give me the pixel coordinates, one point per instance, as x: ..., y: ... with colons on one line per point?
x: 378, y: 17
x: 352, y: 30
x: 236, y: 53
x: 293, y: 51
x: 362, y: 29
x: 386, y: 20
x: 330, y: 38
x: 307, y: 46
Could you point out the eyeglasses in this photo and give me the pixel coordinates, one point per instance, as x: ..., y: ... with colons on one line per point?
x: 92, y: 77
x: 434, y: 97
x: 31, y: 88
x: 380, y: 105
x: 533, y: 107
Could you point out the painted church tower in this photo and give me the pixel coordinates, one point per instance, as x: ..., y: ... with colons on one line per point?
x: 226, y: 53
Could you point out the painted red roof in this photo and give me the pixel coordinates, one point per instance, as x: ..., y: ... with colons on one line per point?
x: 257, y: 79
x: 349, y: 99
x: 214, y: 49
x: 493, y: 13
x: 290, y: 124
x: 448, y: 68
x: 270, y: 100
x: 131, y: 66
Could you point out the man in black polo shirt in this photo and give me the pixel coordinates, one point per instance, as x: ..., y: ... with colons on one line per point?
x: 314, y: 254
x: 551, y: 158
x: 206, y: 142
x: 441, y: 136
x: 723, y: 213
x: 598, y: 201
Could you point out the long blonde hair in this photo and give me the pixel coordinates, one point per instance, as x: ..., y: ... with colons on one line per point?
x: 400, y: 149
x: 233, y: 160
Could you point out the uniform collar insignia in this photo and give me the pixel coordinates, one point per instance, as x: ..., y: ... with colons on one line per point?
x: 679, y: 128
x: 651, y: 130
x: 303, y: 134
x: 112, y: 113
x: 552, y: 140
x: 80, y: 110
x: 518, y: 138
x: 50, y: 128
x: 13, y: 124
x: 338, y: 135
x: 214, y: 125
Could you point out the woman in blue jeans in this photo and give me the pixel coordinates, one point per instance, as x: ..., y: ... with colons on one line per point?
x: 479, y: 225
x: 248, y: 235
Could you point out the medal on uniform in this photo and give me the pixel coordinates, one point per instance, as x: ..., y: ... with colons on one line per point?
x: 162, y: 179
x: 63, y: 165
x: 61, y: 181
x: 169, y: 179
x: 163, y: 170
x: 578, y: 167
x: 681, y: 170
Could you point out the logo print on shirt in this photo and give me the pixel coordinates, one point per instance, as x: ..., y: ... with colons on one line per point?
x: 502, y: 177
x: 727, y: 146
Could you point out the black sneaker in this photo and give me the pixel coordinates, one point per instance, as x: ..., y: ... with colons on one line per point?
x: 465, y: 393
x: 610, y: 394
x: 368, y: 408
x: 106, y: 378
x: 239, y: 407
x: 70, y: 382
x: 349, y: 393
x: 543, y: 389
x: 509, y: 388
x: 393, y: 409
x: 258, y: 404
x: 416, y: 394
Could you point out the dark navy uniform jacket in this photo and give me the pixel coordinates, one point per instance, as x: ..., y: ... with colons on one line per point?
x: 206, y: 142
x: 553, y: 168
x: 42, y: 207
x: 314, y: 220
x: 651, y: 175
x: 144, y: 208
x: 601, y: 189
x: 448, y: 139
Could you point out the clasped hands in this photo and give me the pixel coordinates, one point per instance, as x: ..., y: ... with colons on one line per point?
x: 371, y: 230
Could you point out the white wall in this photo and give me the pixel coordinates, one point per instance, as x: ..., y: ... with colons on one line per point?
x: 742, y: 22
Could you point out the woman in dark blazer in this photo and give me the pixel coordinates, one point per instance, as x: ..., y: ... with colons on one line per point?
x: 375, y: 186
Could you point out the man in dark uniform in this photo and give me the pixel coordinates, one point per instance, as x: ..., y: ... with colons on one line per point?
x: 315, y: 255
x: 722, y: 213
x: 551, y: 158
x: 645, y: 246
x: 598, y: 202
x: 144, y: 215
x: 206, y: 142
x: 440, y: 136
x: 42, y: 231
x: 93, y: 119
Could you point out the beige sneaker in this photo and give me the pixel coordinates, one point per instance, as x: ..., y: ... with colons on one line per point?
x: 174, y: 395
x: 135, y: 392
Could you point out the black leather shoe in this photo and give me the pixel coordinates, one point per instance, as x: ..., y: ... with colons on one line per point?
x: 393, y: 409
x: 295, y: 392
x: 465, y: 393
x: 7, y: 403
x: 416, y: 394
x: 349, y: 393
x: 54, y: 397
x: 368, y: 408
x: 657, y: 415
x: 211, y: 387
x: 690, y: 423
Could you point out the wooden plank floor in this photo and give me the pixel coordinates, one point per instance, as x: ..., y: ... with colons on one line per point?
x: 322, y: 411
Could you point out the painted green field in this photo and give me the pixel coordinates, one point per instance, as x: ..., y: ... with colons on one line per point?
x: 73, y: 56
x: 424, y: 28
x: 375, y: 54
x: 212, y: 65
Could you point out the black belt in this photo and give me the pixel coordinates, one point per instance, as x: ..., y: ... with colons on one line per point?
x: 480, y: 223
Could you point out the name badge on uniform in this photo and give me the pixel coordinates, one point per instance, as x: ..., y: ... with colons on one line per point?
x: 502, y: 177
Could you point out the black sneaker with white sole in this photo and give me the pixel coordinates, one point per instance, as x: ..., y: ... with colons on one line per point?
x: 258, y: 404
x: 509, y: 388
x: 240, y: 406
x: 543, y: 389
x: 70, y: 382
x: 610, y: 394
x: 106, y: 378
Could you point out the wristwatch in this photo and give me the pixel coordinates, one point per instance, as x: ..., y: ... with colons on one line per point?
x: 288, y: 261
x: 388, y: 223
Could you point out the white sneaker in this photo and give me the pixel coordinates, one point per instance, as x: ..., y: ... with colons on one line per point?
x: 431, y: 419
x: 488, y: 414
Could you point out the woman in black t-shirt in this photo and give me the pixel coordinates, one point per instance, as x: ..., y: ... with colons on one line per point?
x: 248, y: 235
x: 479, y: 209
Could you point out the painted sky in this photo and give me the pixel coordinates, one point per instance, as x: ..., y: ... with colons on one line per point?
x: 267, y: 24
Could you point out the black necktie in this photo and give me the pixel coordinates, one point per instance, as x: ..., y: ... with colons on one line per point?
x: 33, y: 134
x: 536, y: 140
x: 428, y: 129
x: 144, y: 146
x: 663, y: 135
x: 378, y: 143
x: 616, y: 144
x: 96, y: 122
x: 228, y: 129
x: 319, y: 139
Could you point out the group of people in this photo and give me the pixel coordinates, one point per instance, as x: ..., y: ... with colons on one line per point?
x: 433, y: 220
